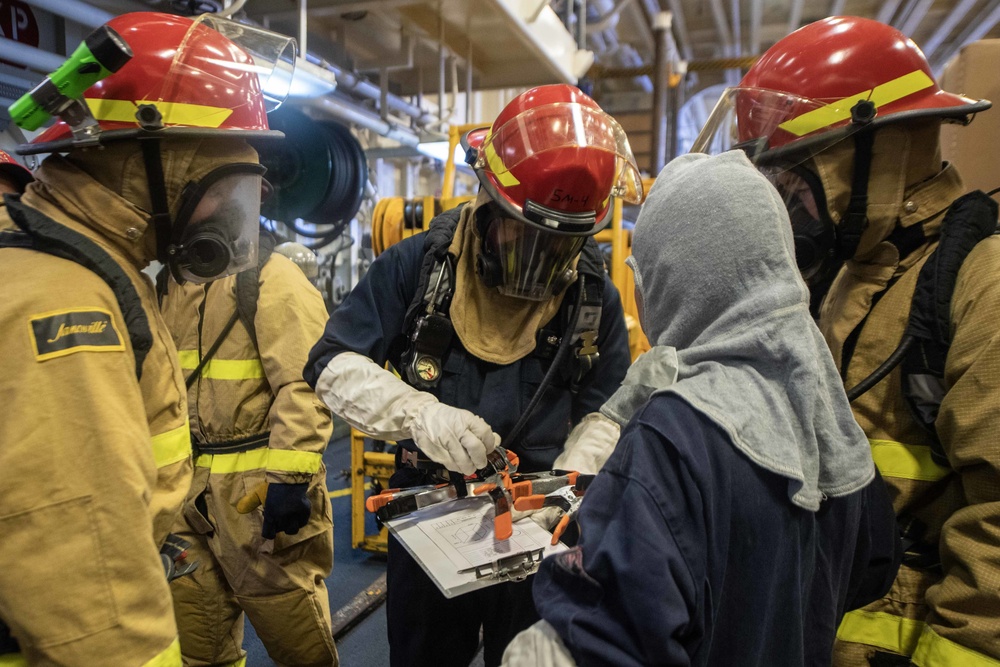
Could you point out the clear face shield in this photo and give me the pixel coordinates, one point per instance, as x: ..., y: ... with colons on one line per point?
x: 265, y: 68
x: 522, y: 260
x: 774, y: 128
x: 780, y: 133
x: 217, y: 226
x: 558, y: 126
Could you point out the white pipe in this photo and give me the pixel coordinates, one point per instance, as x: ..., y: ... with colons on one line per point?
x: 680, y: 27
x: 949, y: 23
x: 303, y: 25
x: 349, y: 113
x: 795, y: 15
x: 886, y: 12
x: 981, y: 24
x: 917, y: 15
x: 74, y: 10
x: 29, y: 56
x: 756, y: 18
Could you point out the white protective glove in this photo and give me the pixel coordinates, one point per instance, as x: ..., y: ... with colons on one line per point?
x: 538, y: 646
x: 380, y: 405
x: 589, y: 445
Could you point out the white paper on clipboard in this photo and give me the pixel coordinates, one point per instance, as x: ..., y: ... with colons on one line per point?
x: 458, y: 535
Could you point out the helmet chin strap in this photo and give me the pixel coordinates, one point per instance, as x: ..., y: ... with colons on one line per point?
x: 855, y: 219
x: 150, y: 119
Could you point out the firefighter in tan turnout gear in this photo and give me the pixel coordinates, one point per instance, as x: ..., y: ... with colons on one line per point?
x: 258, y: 515
x: 96, y: 456
x: 852, y: 141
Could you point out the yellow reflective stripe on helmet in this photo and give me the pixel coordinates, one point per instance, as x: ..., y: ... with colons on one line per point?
x: 497, y: 166
x: 222, y: 369
x: 876, y: 628
x: 275, y: 460
x: 171, y: 657
x: 13, y: 660
x: 936, y: 651
x: 835, y: 112
x: 174, y: 113
x: 172, y: 446
x: 895, y: 459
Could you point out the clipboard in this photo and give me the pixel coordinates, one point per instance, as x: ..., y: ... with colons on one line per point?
x: 455, y: 545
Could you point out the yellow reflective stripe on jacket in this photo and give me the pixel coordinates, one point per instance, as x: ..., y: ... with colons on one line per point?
x: 222, y: 369
x: 172, y: 446
x: 876, y: 628
x: 171, y: 657
x: 936, y: 651
x: 13, y: 660
x: 895, y: 459
x: 174, y: 113
x: 834, y: 112
x: 275, y: 460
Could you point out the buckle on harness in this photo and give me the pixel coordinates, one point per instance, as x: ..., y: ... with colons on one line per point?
x: 414, y: 459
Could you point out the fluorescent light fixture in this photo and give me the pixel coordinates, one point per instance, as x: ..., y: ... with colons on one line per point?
x: 438, y: 150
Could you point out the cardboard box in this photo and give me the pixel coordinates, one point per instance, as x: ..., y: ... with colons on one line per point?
x: 975, y: 148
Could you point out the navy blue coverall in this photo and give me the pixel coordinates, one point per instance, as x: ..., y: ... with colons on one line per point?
x: 425, y: 628
x: 690, y: 554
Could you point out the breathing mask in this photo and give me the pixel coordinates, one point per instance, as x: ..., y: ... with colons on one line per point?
x: 216, y: 227
x: 523, y: 260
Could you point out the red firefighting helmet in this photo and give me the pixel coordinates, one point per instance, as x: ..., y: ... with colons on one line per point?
x: 14, y: 171
x: 803, y: 93
x: 205, y: 76
x: 554, y: 159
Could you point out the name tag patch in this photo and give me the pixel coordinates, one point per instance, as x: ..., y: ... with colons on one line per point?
x: 65, y: 332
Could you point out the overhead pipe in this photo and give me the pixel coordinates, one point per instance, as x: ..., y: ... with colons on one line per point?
x: 756, y: 19
x: 734, y: 7
x: 794, y: 15
x: 887, y: 11
x: 351, y: 82
x: 468, y: 85
x: 719, y: 17
x: 918, y: 11
x: 725, y: 37
x: 349, y: 113
x: 680, y: 26
x: 975, y: 30
x: 737, y: 50
x: 606, y: 21
x: 661, y: 89
x: 31, y: 57
x: 303, y: 26
x: 75, y: 10
x: 674, y: 110
x: 944, y: 29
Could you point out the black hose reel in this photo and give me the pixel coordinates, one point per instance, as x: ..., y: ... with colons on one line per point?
x: 318, y: 172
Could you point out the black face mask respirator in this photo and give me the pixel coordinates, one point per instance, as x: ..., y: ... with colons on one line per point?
x: 813, y: 231
x: 216, y: 229
x: 521, y: 260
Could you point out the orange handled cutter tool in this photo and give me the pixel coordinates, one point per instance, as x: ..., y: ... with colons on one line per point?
x: 494, y: 479
x: 566, y: 497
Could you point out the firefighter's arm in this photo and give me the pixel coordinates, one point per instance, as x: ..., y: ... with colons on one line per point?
x: 963, y: 627
x: 594, y: 437
x: 81, y: 580
x: 290, y: 319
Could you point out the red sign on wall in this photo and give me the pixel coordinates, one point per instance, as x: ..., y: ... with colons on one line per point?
x: 17, y: 22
